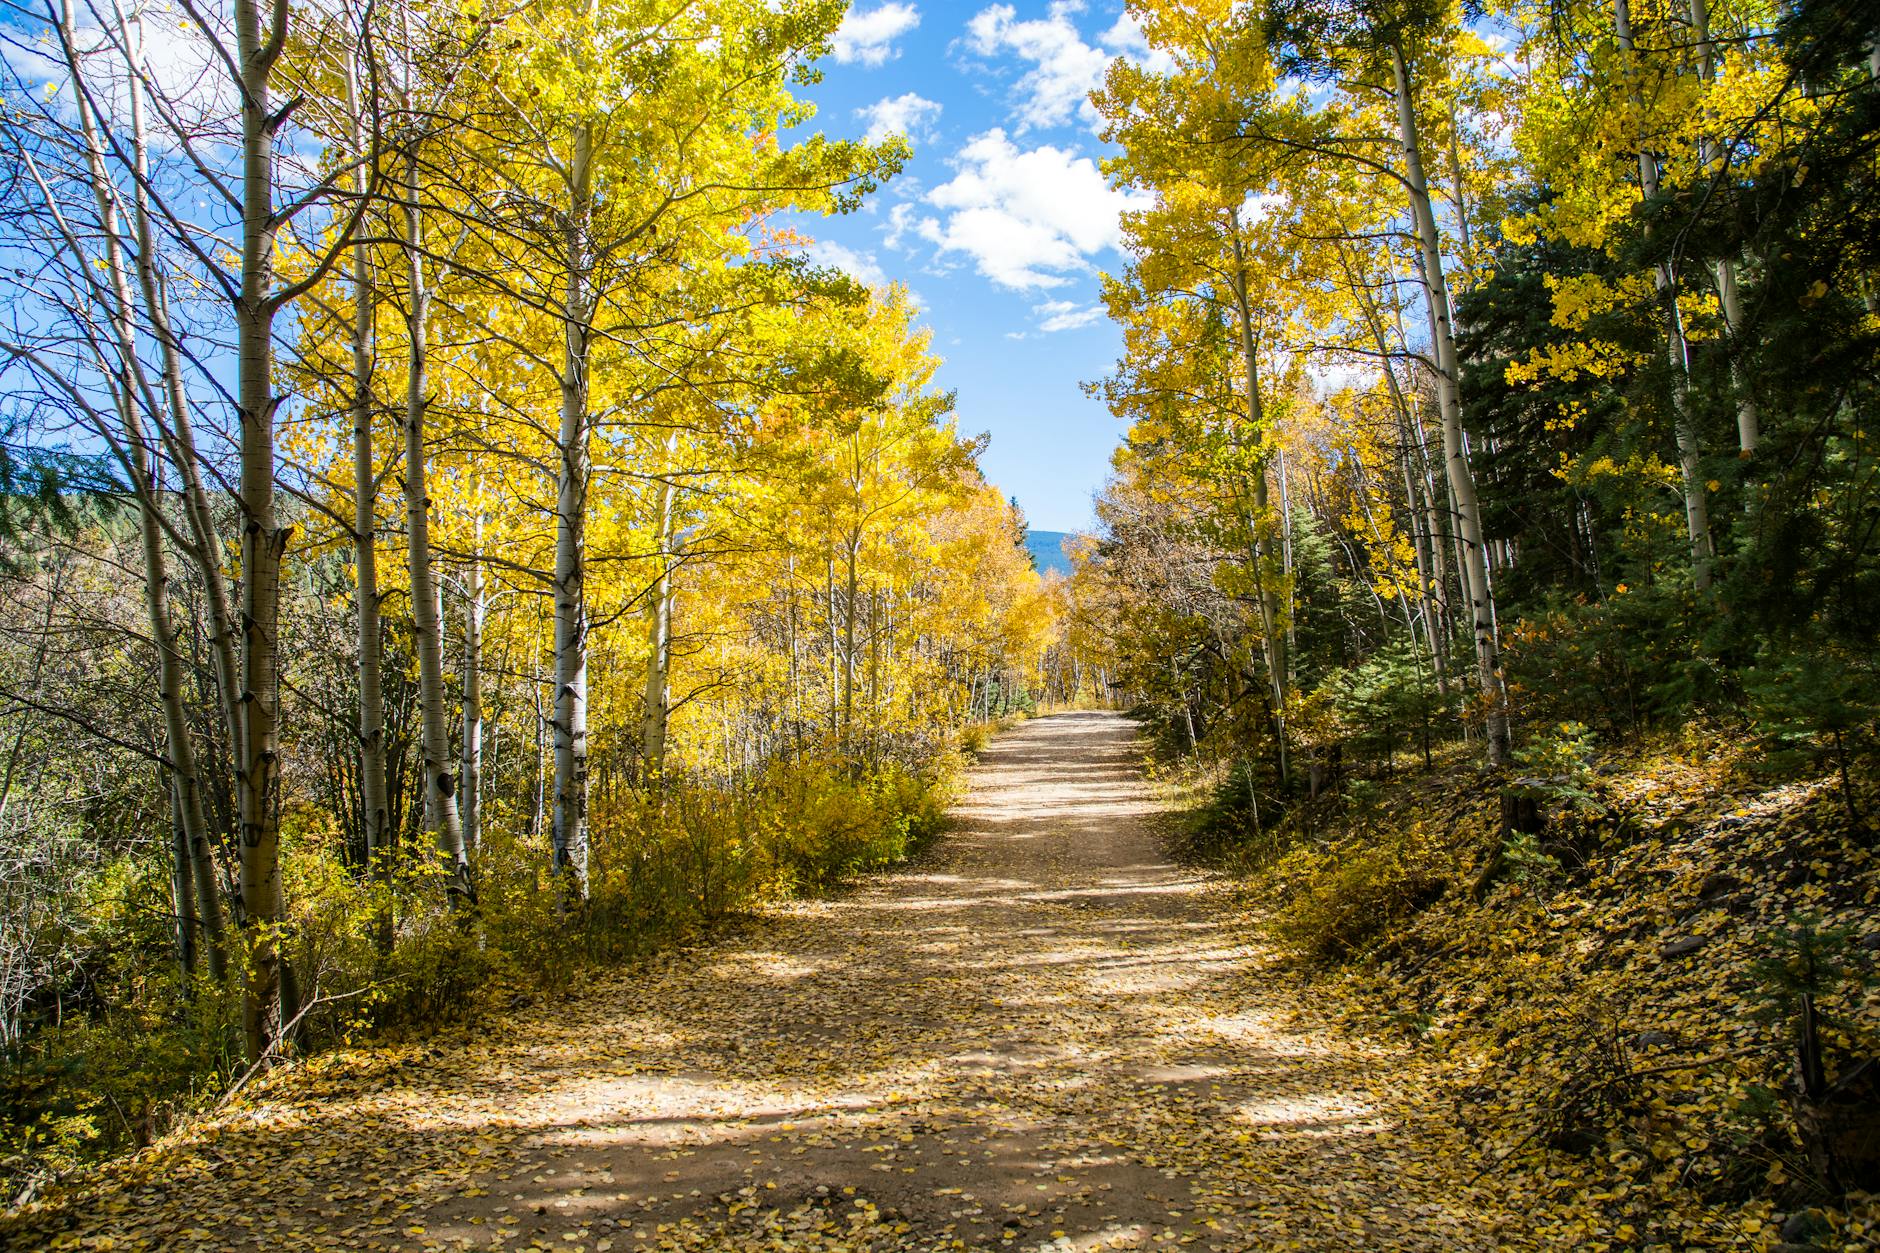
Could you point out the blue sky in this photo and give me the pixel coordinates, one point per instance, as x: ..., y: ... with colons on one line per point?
x: 999, y: 224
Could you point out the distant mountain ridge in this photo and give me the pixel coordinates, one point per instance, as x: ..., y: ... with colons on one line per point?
x: 1047, y: 551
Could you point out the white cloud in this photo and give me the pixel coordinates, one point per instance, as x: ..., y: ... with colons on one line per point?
x: 900, y: 222
x: 1125, y: 39
x: 1066, y: 315
x: 1065, y: 68
x: 906, y: 114
x: 869, y: 37
x: 860, y: 266
x: 1026, y: 217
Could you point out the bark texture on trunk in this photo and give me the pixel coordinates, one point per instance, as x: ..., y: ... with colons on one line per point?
x: 1455, y: 454
x: 1677, y: 345
x: 1272, y: 629
x: 131, y: 390
x: 195, y: 879
x: 270, y: 996
x: 177, y: 435
x: 375, y: 812
x: 440, y: 779
x: 569, y: 836
x: 470, y: 776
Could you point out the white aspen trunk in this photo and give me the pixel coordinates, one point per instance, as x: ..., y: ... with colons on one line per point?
x: 848, y: 644
x: 544, y: 712
x: 1748, y: 415
x: 1406, y: 424
x: 1460, y: 552
x: 440, y: 780
x: 270, y: 996
x: 796, y: 663
x: 658, y: 699
x: 1748, y: 412
x: 1423, y: 545
x: 1677, y: 348
x: 1461, y: 475
x: 1460, y: 186
x: 375, y: 810
x: 874, y: 675
x: 205, y: 546
x: 570, y: 830
x: 1436, y: 515
x: 179, y: 441
x: 1272, y: 637
x: 182, y: 890
x: 1286, y: 562
x: 184, y: 774
x: 657, y: 703
x: 1436, y: 520
x: 1690, y: 451
x: 835, y: 646
x: 470, y: 776
x: 492, y: 766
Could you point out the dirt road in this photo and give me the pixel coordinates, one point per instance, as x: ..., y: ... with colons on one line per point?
x: 1045, y: 1037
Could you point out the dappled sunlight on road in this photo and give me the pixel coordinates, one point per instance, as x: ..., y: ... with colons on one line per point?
x: 1047, y: 1036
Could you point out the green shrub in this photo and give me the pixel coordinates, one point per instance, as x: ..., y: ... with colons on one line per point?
x: 123, y: 1045
x: 1816, y: 706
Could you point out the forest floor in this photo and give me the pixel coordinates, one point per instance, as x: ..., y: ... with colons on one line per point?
x: 1044, y: 1035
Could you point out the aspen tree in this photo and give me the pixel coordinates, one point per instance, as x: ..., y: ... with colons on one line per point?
x: 374, y: 804
x: 1677, y: 344
x: 436, y: 760
x: 620, y: 167
x: 1455, y: 457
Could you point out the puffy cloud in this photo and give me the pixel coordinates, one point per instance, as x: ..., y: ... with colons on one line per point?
x: 1065, y: 69
x: 860, y: 266
x: 1066, y: 315
x: 907, y: 114
x: 901, y: 220
x: 1027, y: 217
x: 869, y: 36
x: 1125, y: 39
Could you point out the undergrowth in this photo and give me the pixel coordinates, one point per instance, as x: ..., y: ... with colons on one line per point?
x: 1614, y: 996
x: 94, y: 1077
